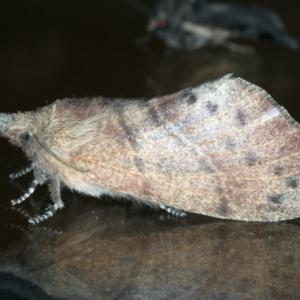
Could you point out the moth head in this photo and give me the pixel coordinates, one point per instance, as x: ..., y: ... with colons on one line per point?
x: 18, y: 128
x: 52, y: 132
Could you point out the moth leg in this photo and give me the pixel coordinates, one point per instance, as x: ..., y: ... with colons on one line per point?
x: 23, y: 231
x: 56, y: 198
x: 30, y: 190
x: 39, y: 179
x: 21, y: 211
x: 173, y: 211
x: 26, y: 169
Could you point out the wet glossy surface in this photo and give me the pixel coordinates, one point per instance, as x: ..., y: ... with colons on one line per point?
x: 114, y: 253
x: 99, y: 250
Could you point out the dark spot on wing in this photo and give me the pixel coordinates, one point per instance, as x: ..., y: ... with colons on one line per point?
x: 154, y: 116
x: 241, y: 118
x: 188, y: 95
x: 211, y: 107
x: 276, y: 198
x: 223, y: 209
x: 250, y: 159
x: 128, y: 131
x: 229, y: 144
x: 191, y: 99
x: 292, y: 182
x: 164, y: 165
x: 139, y: 164
x: 203, y: 165
x: 278, y: 170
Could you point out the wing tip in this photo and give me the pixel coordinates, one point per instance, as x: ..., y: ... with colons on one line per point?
x: 230, y: 79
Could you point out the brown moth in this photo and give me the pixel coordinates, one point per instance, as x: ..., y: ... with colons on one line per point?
x: 224, y: 149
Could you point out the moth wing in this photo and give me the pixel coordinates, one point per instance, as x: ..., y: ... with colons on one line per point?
x: 224, y: 149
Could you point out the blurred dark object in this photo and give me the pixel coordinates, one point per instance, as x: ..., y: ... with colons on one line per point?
x: 102, y: 254
x: 192, y: 24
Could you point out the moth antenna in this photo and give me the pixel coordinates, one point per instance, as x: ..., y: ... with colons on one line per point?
x: 46, y: 148
x: 26, y: 169
x: 139, y: 6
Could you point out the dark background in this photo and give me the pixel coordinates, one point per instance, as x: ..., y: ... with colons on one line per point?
x: 55, y: 49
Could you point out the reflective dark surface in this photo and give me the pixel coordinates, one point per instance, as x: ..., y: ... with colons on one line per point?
x: 110, y: 252
x: 103, y: 249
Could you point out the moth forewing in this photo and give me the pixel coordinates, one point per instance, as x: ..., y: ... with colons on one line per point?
x: 224, y: 149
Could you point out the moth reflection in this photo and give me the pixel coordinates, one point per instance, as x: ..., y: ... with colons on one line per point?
x: 111, y: 257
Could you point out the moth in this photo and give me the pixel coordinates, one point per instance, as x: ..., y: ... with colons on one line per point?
x: 192, y: 24
x: 224, y: 149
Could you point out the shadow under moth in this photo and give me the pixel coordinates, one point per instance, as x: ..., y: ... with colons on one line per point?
x: 224, y: 149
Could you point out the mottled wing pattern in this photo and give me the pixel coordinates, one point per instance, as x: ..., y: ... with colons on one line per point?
x: 224, y: 149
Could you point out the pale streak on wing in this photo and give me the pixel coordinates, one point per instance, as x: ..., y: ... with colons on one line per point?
x: 272, y: 113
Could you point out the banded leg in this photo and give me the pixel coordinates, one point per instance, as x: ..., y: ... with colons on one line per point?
x: 39, y: 178
x: 28, y: 168
x: 21, y: 211
x: 25, y: 232
x: 56, y: 198
x: 30, y: 190
x: 173, y: 211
